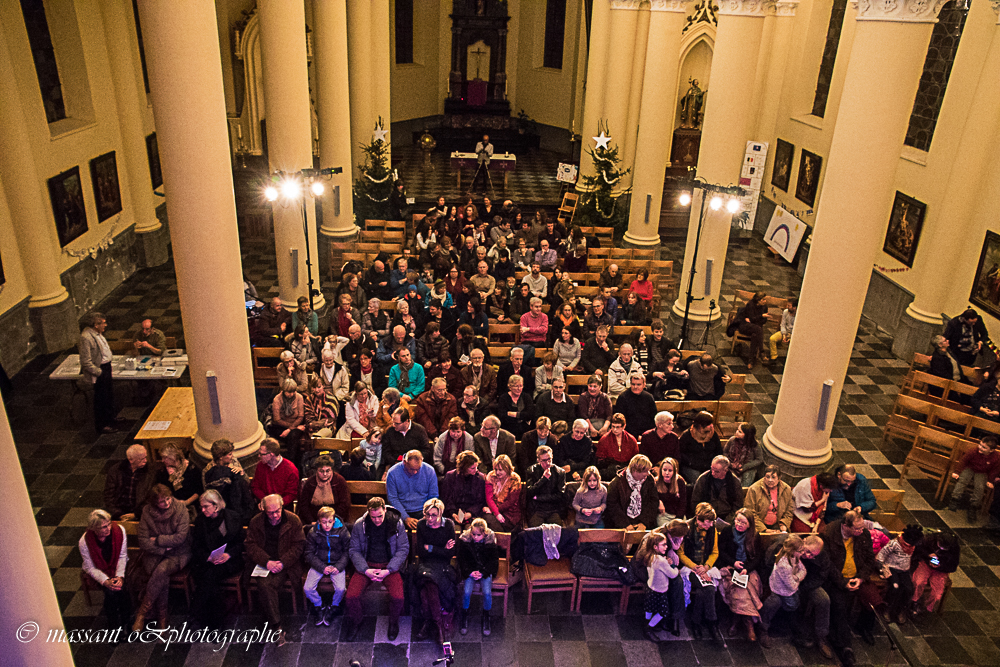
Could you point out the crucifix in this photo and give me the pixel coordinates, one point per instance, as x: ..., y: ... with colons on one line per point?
x: 479, y: 53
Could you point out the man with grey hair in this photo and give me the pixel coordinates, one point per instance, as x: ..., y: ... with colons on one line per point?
x: 943, y: 362
x: 621, y: 369
x: 128, y: 483
x: 491, y: 442
x: 517, y: 366
x: 720, y: 488
x: 104, y: 549
x: 95, y: 365
x: 660, y: 442
x: 275, y: 542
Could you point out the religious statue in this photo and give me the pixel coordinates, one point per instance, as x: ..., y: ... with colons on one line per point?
x: 693, y: 105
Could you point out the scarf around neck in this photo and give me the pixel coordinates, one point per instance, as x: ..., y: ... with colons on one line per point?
x: 635, y: 497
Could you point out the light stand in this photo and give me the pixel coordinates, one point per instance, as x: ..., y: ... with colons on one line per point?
x: 295, y: 185
x: 716, y: 203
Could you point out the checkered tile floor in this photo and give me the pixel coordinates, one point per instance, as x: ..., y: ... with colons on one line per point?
x: 64, y: 465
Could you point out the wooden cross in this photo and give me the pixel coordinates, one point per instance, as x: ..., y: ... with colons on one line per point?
x: 479, y: 53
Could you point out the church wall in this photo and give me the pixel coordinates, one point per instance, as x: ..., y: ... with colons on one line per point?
x: 415, y: 86
x: 16, y: 343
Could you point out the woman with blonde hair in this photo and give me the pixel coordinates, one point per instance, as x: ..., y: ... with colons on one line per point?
x: 672, y: 491
x: 215, y: 527
x: 181, y: 476
x: 433, y: 580
x: 591, y: 499
x: 632, y: 499
x: 503, y: 496
x: 699, y: 552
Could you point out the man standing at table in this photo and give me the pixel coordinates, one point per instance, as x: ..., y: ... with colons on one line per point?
x: 484, y: 151
x: 150, y: 340
x: 95, y: 364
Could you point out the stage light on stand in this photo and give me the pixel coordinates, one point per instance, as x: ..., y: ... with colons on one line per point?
x: 685, y: 198
x: 715, y: 203
x: 733, y: 206
x: 271, y: 193
x: 317, y: 188
x: 291, y: 188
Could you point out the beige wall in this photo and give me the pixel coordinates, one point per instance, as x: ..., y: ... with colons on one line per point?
x: 416, y: 87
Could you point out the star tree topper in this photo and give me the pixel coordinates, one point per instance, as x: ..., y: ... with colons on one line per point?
x: 602, y: 140
x: 380, y: 133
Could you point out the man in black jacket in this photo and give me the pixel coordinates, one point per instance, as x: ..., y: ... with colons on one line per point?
x: 404, y: 435
x: 128, y: 483
x: 546, y: 489
x: 637, y: 406
x: 852, y: 559
x: 555, y: 404
x: 598, y: 353
x: 720, y: 488
x: 516, y: 366
x: 812, y: 594
x: 966, y: 334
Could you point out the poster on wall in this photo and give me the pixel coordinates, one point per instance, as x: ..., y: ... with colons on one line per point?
x: 153, y: 155
x: 104, y: 179
x: 986, y: 284
x: 751, y: 180
x: 784, y: 233
x: 781, y: 175
x: 66, y: 193
x: 809, y: 166
x: 905, y: 223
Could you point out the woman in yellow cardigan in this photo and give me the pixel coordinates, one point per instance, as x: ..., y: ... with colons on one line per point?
x: 699, y: 553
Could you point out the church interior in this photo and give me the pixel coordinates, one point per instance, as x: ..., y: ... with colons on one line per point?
x: 136, y: 141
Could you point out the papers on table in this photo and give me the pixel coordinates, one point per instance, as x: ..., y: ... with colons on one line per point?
x: 259, y: 571
x: 218, y: 552
x: 127, y: 373
x: 156, y: 426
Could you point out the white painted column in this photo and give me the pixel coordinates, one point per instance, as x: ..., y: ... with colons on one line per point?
x: 783, y: 17
x: 884, y: 68
x: 597, y: 66
x: 380, y: 73
x: 182, y: 57
x: 636, y: 88
x: 659, y: 96
x: 334, y: 109
x: 359, y: 63
x: 289, y: 141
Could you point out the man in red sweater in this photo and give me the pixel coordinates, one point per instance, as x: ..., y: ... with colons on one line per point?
x: 275, y: 474
x: 981, y: 466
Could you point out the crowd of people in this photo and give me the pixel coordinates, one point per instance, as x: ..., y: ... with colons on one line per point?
x: 468, y: 450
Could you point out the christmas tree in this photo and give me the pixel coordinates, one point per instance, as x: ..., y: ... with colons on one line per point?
x: 374, y: 186
x: 599, y: 203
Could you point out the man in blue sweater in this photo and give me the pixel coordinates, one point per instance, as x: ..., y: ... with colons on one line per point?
x: 853, y: 492
x: 409, y: 484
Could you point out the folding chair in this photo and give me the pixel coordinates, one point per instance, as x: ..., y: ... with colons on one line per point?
x: 595, y: 584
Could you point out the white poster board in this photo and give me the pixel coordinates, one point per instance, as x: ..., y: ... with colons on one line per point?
x: 785, y: 233
x: 567, y: 173
x: 752, y: 179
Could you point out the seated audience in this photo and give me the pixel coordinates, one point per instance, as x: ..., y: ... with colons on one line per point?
x: 387, y: 353
x: 632, y: 497
x: 289, y: 368
x: 534, y: 325
x: 481, y: 376
x: 275, y: 474
x: 660, y: 442
x: 325, y: 488
x: 216, y: 527
x: 598, y: 353
x: 852, y: 492
x: 344, y: 317
x: 637, y: 406
x: 744, y: 453
x: 365, y: 370
x: 699, y: 445
x: 127, y: 484
x: 720, y: 488
x: 616, y: 448
x: 165, y: 550
x: 659, y: 553
x: 403, y: 436
x: 610, y: 277
x: 621, y: 369
x: 303, y: 345
x: 333, y: 377
x: 546, y: 489
x: 433, y: 580
x: 407, y: 376
x: 658, y: 345
x: 445, y: 369
x: 181, y: 476
x: 515, y: 407
x: 435, y: 408
x: 325, y: 553
x: 597, y: 316
x: 478, y: 561
x: 531, y: 441
x: 275, y: 541
x: 633, y: 311
x: 550, y: 371
x: 699, y: 553
x: 895, y: 560
x: 567, y: 346
x: 813, y: 595
x: 853, y: 558
x: 288, y: 415
x: 770, y: 500
x: 379, y: 546
x: 519, y: 367
x: 375, y: 322
x: 575, y: 451
x: 359, y: 413
x: 472, y: 409
x: 784, y: 332
x: 590, y: 500
x: 305, y: 315
x: 966, y: 335
x: 642, y: 286
x: 452, y: 442
x: 492, y: 441
x: 787, y: 575
x: 555, y: 404
x: 503, y: 496
x: 935, y: 558
x: 667, y: 374
x: 409, y: 484
x: 391, y: 401
x: 672, y: 491
x: 104, y: 549
x: 431, y: 345
x: 463, y: 490
x: 981, y: 468
x: 741, y: 553
x: 320, y: 409
x: 537, y: 284
x: 357, y: 468
x: 706, y: 380
x: 594, y: 407
x: 750, y: 321
x: 810, y: 496
x: 273, y: 323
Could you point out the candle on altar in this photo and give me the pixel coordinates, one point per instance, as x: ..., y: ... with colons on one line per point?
x: 239, y: 131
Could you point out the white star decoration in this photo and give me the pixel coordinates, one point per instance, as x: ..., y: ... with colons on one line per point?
x: 380, y: 133
x: 602, y: 141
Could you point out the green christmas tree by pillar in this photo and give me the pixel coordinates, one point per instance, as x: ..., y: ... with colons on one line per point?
x: 374, y: 186
x: 600, y: 204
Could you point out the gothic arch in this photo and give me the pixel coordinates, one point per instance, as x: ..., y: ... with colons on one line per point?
x: 248, y: 53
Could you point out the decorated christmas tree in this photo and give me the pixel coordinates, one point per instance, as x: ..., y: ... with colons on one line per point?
x: 374, y: 186
x: 600, y: 205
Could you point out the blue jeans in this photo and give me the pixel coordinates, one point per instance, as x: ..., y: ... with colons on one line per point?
x: 486, y: 583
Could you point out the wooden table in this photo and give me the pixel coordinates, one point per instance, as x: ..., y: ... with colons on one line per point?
x: 170, y: 366
x: 505, y: 163
x: 177, y: 408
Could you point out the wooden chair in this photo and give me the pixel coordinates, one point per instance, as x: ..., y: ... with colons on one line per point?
x: 576, y: 384
x: 927, y: 387
x: 675, y: 407
x: 644, y: 254
x: 370, y: 236
x: 890, y: 502
x: 909, y: 414
x: 956, y: 422
x: 960, y: 450
x: 605, y: 235
x: 621, y: 253
x: 366, y: 489
x: 567, y: 209
x: 731, y: 414
x: 553, y: 577
x: 595, y: 584
x: 499, y: 352
x: 294, y: 588
x: 931, y: 454
x: 602, y: 253
x: 511, y: 332
x: 333, y: 443
x: 503, y: 581
x: 375, y: 225
x: 737, y: 338
x: 631, y: 541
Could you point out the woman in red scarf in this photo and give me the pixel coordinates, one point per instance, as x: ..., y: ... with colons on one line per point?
x: 503, y: 496
x: 104, y: 552
x: 809, y: 496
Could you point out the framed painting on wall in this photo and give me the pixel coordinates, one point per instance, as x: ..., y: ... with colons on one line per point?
x: 809, y: 166
x: 104, y: 178
x: 153, y: 155
x: 781, y: 174
x: 986, y: 284
x: 66, y: 193
x: 905, y: 223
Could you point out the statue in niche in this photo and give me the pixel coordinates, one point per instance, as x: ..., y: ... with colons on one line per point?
x: 693, y: 105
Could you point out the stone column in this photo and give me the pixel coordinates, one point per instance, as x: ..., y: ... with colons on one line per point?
x: 723, y: 143
x: 659, y: 93
x: 289, y: 141
x: 379, y: 40
x: 182, y: 57
x: 597, y: 65
x: 944, y: 242
x: 53, y: 316
x: 27, y: 597
x: 781, y: 42
x: 130, y: 98
x: 359, y: 18
x: 618, y: 84
x: 636, y: 89
x: 330, y: 44
x: 884, y: 68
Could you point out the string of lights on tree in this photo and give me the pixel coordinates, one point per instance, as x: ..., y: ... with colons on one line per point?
x: 373, y: 186
x: 599, y: 204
